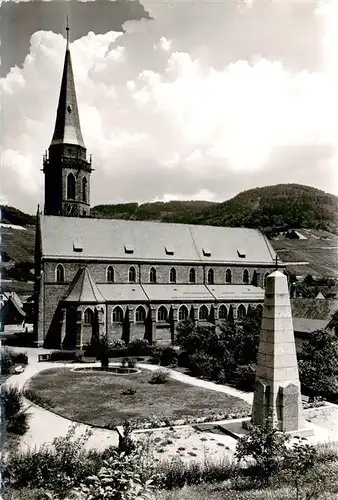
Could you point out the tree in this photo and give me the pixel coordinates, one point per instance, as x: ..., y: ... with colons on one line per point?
x: 266, y: 446
x: 298, y: 466
x: 318, y: 365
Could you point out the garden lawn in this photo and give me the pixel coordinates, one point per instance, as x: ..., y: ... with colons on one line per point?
x: 95, y: 397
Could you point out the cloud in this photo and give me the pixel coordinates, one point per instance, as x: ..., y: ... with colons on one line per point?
x: 171, y: 109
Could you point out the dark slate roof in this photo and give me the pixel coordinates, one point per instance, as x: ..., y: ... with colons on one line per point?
x: 121, y: 240
x: 304, y: 325
x: 237, y: 292
x: 317, y: 309
x: 12, y: 302
x: 115, y: 292
x: 83, y: 289
x: 67, y: 126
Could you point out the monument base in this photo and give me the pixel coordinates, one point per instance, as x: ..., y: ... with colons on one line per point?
x: 236, y: 429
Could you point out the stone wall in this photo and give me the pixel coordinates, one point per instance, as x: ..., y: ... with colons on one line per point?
x: 98, y: 270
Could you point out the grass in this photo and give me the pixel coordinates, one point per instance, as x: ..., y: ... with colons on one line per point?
x: 95, y: 397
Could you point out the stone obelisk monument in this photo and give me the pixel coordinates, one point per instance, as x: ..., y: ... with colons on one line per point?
x: 277, y: 386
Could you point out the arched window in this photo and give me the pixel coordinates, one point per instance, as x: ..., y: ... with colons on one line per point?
x: 162, y: 313
x: 222, y: 312
x: 203, y: 313
x: 183, y: 313
x: 110, y: 274
x: 84, y: 189
x: 241, y: 312
x: 60, y: 273
x: 172, y: 275
x: 254, y: 280
x: 192, y: 276
x: 259, y: 309
x: 140, y: 315
x: 152, y: 275
x: 246, y: 276
x: 132, y: 275
x: 265, y: 279
x: 211, y: 276
x: 117, y: 314
x: 88, y: 316
x: 228, y: 277
x: 70, y: 187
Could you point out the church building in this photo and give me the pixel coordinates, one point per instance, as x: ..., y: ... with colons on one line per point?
x: 129, y: 279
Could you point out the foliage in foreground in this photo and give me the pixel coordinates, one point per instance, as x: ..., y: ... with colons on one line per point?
x: 275, y: 470
x: 120, y: 478
x: 14, y: 413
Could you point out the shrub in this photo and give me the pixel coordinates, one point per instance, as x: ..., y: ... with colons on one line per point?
x: 63, y: 355
x: 263, y: 448
x: 57, y: 468
x: 17, y: 357
x: 78, y: 356
x: 118, y: 352
x: 201, y: 365
x: 139, y: 347
x: 129, y: 362
x: 244, y: 377
x: 18, y: 423
x: 120, y: 478
x: 155, y: 351
x: 169, y: 356
x: 6, y: 362
x: 159, y: 377
x: 128, y: 392
x: 15, y: 415
x: 11, y: 401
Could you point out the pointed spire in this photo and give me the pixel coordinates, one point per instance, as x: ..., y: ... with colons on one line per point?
x: 67, y: 126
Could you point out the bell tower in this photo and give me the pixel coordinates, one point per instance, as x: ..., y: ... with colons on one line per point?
x: 66, y: 168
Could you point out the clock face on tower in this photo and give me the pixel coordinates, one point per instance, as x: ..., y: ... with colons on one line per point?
x: 70, y: 209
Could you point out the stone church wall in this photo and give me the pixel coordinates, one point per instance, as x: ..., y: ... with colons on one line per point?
x: 98, y: 271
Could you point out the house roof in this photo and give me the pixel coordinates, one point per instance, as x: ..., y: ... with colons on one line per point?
x: 236, y: 292
x: 113, y: 239
x: 315, y: 309
x: 115, y: 292
x: 304, y: 325
x: 173, y: 292
x: 12, y: 302
x: 83, y: 289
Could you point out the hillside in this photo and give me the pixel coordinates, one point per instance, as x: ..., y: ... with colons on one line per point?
x: 272, y: 208
x: 276, y: 207
x: 171, y: 211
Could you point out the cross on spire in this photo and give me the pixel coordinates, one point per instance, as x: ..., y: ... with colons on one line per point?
x: 67, y: 30
x: 276, y: 262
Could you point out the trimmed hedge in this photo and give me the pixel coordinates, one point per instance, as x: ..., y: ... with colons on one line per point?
x: 66, y: 356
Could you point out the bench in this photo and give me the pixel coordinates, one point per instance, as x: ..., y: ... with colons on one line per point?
x: 43, y: 357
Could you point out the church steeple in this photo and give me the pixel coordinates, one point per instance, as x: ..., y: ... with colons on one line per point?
x: 66, y: 169
x: 67, y: 126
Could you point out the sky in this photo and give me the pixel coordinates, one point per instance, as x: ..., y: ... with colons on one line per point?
x: 177, y: 99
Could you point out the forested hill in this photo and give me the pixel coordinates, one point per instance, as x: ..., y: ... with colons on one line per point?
x: 171, y: 211
x: 271, y: 208
x: 11, y: 215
